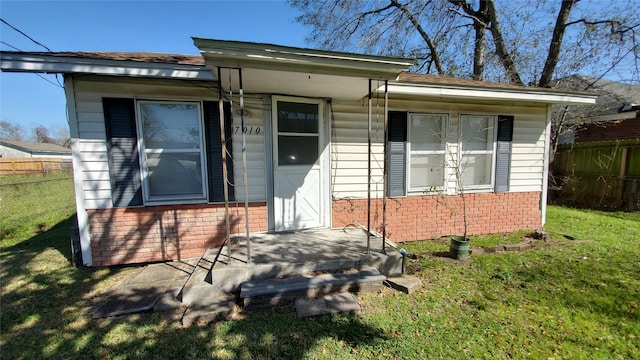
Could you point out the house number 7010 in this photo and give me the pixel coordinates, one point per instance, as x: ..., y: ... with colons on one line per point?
x: 249, y: 130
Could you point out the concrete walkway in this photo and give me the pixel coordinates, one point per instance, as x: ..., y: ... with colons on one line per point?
x: 154, y: 287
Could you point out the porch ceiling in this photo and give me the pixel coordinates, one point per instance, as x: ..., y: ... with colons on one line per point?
x: 277, y: 69
x: 294, y: 83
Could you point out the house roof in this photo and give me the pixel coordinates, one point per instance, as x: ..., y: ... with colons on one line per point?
x: 615, y: 99
x: 137, y: 64
x: 443, y: 86
x: 35, y: 147
x: 279, y: 69
x: 148, y: 57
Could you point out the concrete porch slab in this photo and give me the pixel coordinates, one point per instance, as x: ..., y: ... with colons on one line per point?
x: 286, y: 254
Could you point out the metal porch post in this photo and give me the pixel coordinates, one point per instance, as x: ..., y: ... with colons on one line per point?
x: 244, y: 169
x: 225, y: 174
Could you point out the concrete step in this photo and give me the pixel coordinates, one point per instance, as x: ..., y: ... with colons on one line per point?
x: 211, y: 278
x: 257, y: 294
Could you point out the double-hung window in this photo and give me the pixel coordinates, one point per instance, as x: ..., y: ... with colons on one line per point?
x: 426, y: 150
x: 171, y: 146
x: 476, y: 151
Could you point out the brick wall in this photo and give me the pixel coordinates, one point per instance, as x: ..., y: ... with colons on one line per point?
x: 159, y: 233
x: 612, y: 130
x: 429, y: 216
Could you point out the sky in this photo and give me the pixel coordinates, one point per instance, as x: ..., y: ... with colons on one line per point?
x: 156, y: 26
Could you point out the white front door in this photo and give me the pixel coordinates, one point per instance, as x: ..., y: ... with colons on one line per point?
x: 297, y: 156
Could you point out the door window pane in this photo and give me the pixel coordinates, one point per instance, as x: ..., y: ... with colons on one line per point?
x: 297, y: 117
x: 297, y: 150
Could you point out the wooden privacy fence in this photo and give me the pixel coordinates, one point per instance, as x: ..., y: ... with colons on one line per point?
x: 603, y: 174
x: 33, y: 166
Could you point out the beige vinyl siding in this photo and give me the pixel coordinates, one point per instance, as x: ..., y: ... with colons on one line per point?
x: 349, y: 149
x: 89, y: 92
x: 349, y: 142
x: 256, y: 159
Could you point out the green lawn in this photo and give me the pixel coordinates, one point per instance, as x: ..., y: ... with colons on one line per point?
x: 571, y: 299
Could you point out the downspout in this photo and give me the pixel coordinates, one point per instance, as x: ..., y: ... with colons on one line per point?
x: 244, y: 169
x: 225, y: 175
x: 369, y: 172
x: 384, y: 169
x: 545, y: 168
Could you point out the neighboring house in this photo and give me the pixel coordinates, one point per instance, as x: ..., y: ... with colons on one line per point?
x: 597, y: 163
x: 25, y: 149
x: 614, y: 116
x: 148, y: 146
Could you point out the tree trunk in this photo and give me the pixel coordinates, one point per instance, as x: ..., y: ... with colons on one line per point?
x: 556, y: 43
x: 432, y: 48
x: 501, y: 49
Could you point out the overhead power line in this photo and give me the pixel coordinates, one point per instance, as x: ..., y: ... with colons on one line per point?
x: 25, y: 35
x: 58, y: 84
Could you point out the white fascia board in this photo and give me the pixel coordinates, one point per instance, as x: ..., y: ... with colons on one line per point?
x: 276, y: 57
x: 490, y: 94
x: 71, y: 65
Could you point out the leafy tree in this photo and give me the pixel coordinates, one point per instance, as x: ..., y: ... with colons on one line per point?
x: 520, y: 42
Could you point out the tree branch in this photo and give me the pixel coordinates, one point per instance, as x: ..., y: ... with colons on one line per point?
x: 501, y: 49
x: 556, y: 43
x: 423, y: 34
x: 480, y: 25
x: 470, y: 16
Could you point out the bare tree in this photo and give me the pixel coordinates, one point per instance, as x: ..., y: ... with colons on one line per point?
x: 10, y: 131
x: 520, y: 42
x: 41, y: 135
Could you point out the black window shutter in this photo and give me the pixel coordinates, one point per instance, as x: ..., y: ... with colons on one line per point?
x: 503, y: 152
x: 124, y: 160
x: 214, y: 150
x: 397, y: 156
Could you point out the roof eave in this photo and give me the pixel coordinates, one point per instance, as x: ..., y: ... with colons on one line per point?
x: 15, y: 62
x: 488, y: 93
x: 236, y: 54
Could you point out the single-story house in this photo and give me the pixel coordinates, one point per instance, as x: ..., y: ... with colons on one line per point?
x: 25, y: 149
x: 165, y: 146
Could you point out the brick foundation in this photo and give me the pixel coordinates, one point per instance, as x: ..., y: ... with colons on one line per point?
x: 429, y: 216
x: 159, y: 233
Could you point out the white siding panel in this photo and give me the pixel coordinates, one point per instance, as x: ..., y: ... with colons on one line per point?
x: 96, y: 194
x: 349, y: 136
x: 94, y: 165
x: 349, y: 153
x: 96, y: 176
x: 255, y: 145
x: 97, y: 185
x: 93, y: 146
x: 98, y: 203
x: 92, y: 117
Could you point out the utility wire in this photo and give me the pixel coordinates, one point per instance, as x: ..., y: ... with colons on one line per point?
x: 40, y: 76
x: 57, y: 83
x: 25, y: 35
